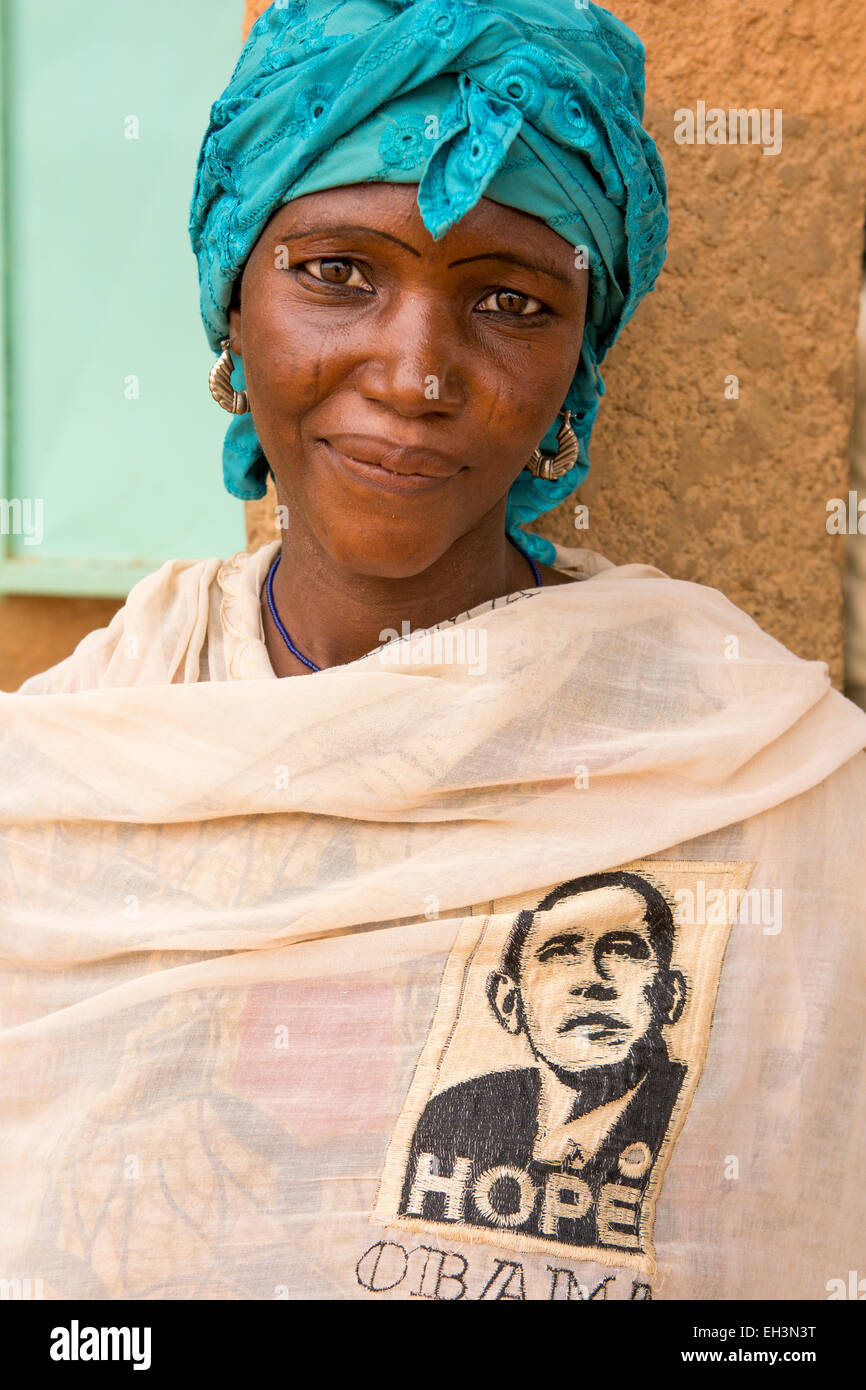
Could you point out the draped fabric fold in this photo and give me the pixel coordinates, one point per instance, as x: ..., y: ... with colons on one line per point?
x: 256, y: 938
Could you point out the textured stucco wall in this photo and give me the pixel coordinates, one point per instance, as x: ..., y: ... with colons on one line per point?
x: 762, y: 282
x: 37, y: 632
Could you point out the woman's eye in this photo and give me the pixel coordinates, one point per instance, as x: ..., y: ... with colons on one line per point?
x: 334, y: 270
x: 511, y: 302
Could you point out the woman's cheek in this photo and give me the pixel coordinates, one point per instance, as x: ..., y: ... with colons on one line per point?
x: 290, y: 378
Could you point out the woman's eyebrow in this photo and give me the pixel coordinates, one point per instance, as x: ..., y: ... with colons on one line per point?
x: 511, y: 259
x: 347, y: 230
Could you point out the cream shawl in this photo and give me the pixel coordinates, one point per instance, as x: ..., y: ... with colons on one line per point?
x: 251, y: 1047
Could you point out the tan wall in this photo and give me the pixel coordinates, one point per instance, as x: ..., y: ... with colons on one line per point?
x: 762, y: 282
x: 36, y: 632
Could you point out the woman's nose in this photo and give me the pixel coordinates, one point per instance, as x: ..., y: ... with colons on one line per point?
x: 415, y: 362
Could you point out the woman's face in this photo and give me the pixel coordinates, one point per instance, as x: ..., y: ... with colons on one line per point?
x: 399, y: 384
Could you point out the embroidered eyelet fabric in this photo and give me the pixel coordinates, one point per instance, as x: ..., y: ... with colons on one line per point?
x: 520, y: 959
x: 532, y: 104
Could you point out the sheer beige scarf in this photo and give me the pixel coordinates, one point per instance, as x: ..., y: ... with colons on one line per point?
x: 252, y: 931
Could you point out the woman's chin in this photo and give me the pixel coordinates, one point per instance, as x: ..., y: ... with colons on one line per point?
x: 394, y: 561
x: 385, y: 549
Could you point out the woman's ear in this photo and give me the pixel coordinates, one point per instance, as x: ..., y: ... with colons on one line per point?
x: 235, y: 319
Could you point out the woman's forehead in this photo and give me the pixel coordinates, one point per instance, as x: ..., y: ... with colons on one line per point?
x: 393, y: 208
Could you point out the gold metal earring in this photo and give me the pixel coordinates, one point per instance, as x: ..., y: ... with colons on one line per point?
x: 550, y: 466
x: 220, y: 382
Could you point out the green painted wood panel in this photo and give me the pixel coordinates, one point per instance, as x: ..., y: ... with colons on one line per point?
x: 108, y: 420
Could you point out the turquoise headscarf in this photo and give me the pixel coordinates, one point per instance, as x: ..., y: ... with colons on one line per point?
x: 536, y: 104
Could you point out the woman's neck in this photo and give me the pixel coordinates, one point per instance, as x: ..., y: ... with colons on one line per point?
x: 335, y: 615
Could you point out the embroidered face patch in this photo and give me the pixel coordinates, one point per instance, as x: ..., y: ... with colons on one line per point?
x: 566, y: 1045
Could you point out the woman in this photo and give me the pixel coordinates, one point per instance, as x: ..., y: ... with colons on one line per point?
x: 511, y: 952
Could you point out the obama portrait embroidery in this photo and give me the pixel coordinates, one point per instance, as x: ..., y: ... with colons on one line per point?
x: 566, y: 1045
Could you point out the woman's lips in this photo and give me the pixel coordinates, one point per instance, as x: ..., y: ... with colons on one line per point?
x: 389, y: 467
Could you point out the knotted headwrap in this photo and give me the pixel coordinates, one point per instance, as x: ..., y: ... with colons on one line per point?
x: 533, y: 103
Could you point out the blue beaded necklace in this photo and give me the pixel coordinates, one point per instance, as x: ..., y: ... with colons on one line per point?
x: 311, y: 665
